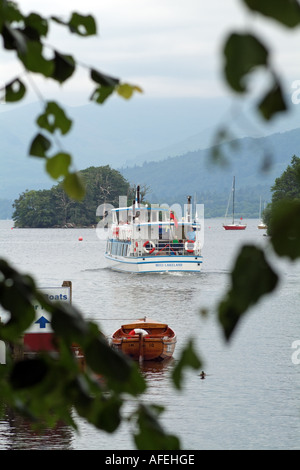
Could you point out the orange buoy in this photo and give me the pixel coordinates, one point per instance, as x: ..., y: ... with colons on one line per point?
x: 80, y: 239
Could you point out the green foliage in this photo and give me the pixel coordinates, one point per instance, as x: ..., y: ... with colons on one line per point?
x: 251, y: 278
x: 273, y: 102
x: 39, y: 146
x: 58, y: 165
x: 47, y: 387
x: 243, y: 53
x: 285, y: 12
x: 14, y: 91
x: 26, y: 34
x: 287, y: 186
x: 54, y: 118
x: 82, y: 25
x: 54, y: 207
x: 286, y: 193
x: 34, y: 209
x: 188, y: 358
x: 73, y: 185
x: 16, y: 297
x: 285, y: 228
x: 151, y: 435
x: 283, y: 214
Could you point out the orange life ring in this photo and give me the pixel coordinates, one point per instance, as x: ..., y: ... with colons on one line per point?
x: 138, y: 331
x: 189, y: 249
x: 150, y: 243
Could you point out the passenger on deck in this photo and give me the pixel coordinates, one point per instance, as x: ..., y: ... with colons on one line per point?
x: 192, y: 234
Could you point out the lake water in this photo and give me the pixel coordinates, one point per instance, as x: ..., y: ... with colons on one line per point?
x: 250, y: 398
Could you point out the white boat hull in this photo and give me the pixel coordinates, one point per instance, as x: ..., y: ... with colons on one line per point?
x: 153, y: 264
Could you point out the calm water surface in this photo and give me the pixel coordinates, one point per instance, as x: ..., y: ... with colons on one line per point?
x: 250, y: 398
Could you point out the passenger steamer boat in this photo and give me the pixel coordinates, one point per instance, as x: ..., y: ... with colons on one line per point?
x: 145, y: 340
x: 144, y: 239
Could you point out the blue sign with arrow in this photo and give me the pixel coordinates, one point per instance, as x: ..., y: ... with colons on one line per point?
x: 42, y: 321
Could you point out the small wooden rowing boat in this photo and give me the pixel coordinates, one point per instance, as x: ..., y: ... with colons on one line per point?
x: 145, y: 339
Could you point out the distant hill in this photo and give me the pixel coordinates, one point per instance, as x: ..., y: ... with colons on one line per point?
x: 113, y: 134
x: 172, y: 179
x: 175, y: 133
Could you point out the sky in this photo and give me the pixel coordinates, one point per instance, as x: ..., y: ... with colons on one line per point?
x: 172, y: 50
x: 169, y: 48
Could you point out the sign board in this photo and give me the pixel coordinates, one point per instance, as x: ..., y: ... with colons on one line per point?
x: 2, y: 353
x: 39, y: 336
x: 42, y: 323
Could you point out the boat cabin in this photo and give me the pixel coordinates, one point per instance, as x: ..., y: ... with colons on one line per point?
x: 145, y: 231
x: 153, y: 238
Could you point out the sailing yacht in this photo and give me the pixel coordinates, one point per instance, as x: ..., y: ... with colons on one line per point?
x: 261, y: 224
x: 233, y: 225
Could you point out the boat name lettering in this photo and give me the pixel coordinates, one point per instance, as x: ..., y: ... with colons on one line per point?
x: 169, y: 265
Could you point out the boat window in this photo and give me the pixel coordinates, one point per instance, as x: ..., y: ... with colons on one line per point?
x: 143, y: 231
x: 143, y: 216
x: 165, y: 233
x: 178, y: 232
x: 154, y: 216
x: 153, y: 232
x: 164, y: 216
x: 114, y: 217
x: 123, y: 216
x: 114, y: 248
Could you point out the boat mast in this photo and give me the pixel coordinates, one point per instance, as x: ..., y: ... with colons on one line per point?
x: 233, y: 191
x: 136, y: 203
x: 137, y: 197
x: 259, y: 209
x: 189, y: 198
x: 195, y: 205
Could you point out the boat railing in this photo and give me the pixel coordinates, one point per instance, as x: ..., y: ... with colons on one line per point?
x: 170, y: 248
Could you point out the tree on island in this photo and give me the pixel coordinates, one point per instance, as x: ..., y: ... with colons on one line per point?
x: 54, y: 208
x: 282, y: 215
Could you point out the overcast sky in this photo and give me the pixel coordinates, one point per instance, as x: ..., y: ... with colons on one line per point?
x: 167, y: 47
x: 170, y: 48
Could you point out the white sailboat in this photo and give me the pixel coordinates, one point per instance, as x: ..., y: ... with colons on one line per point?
x: 233, y: 225
x: 261, y: 224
